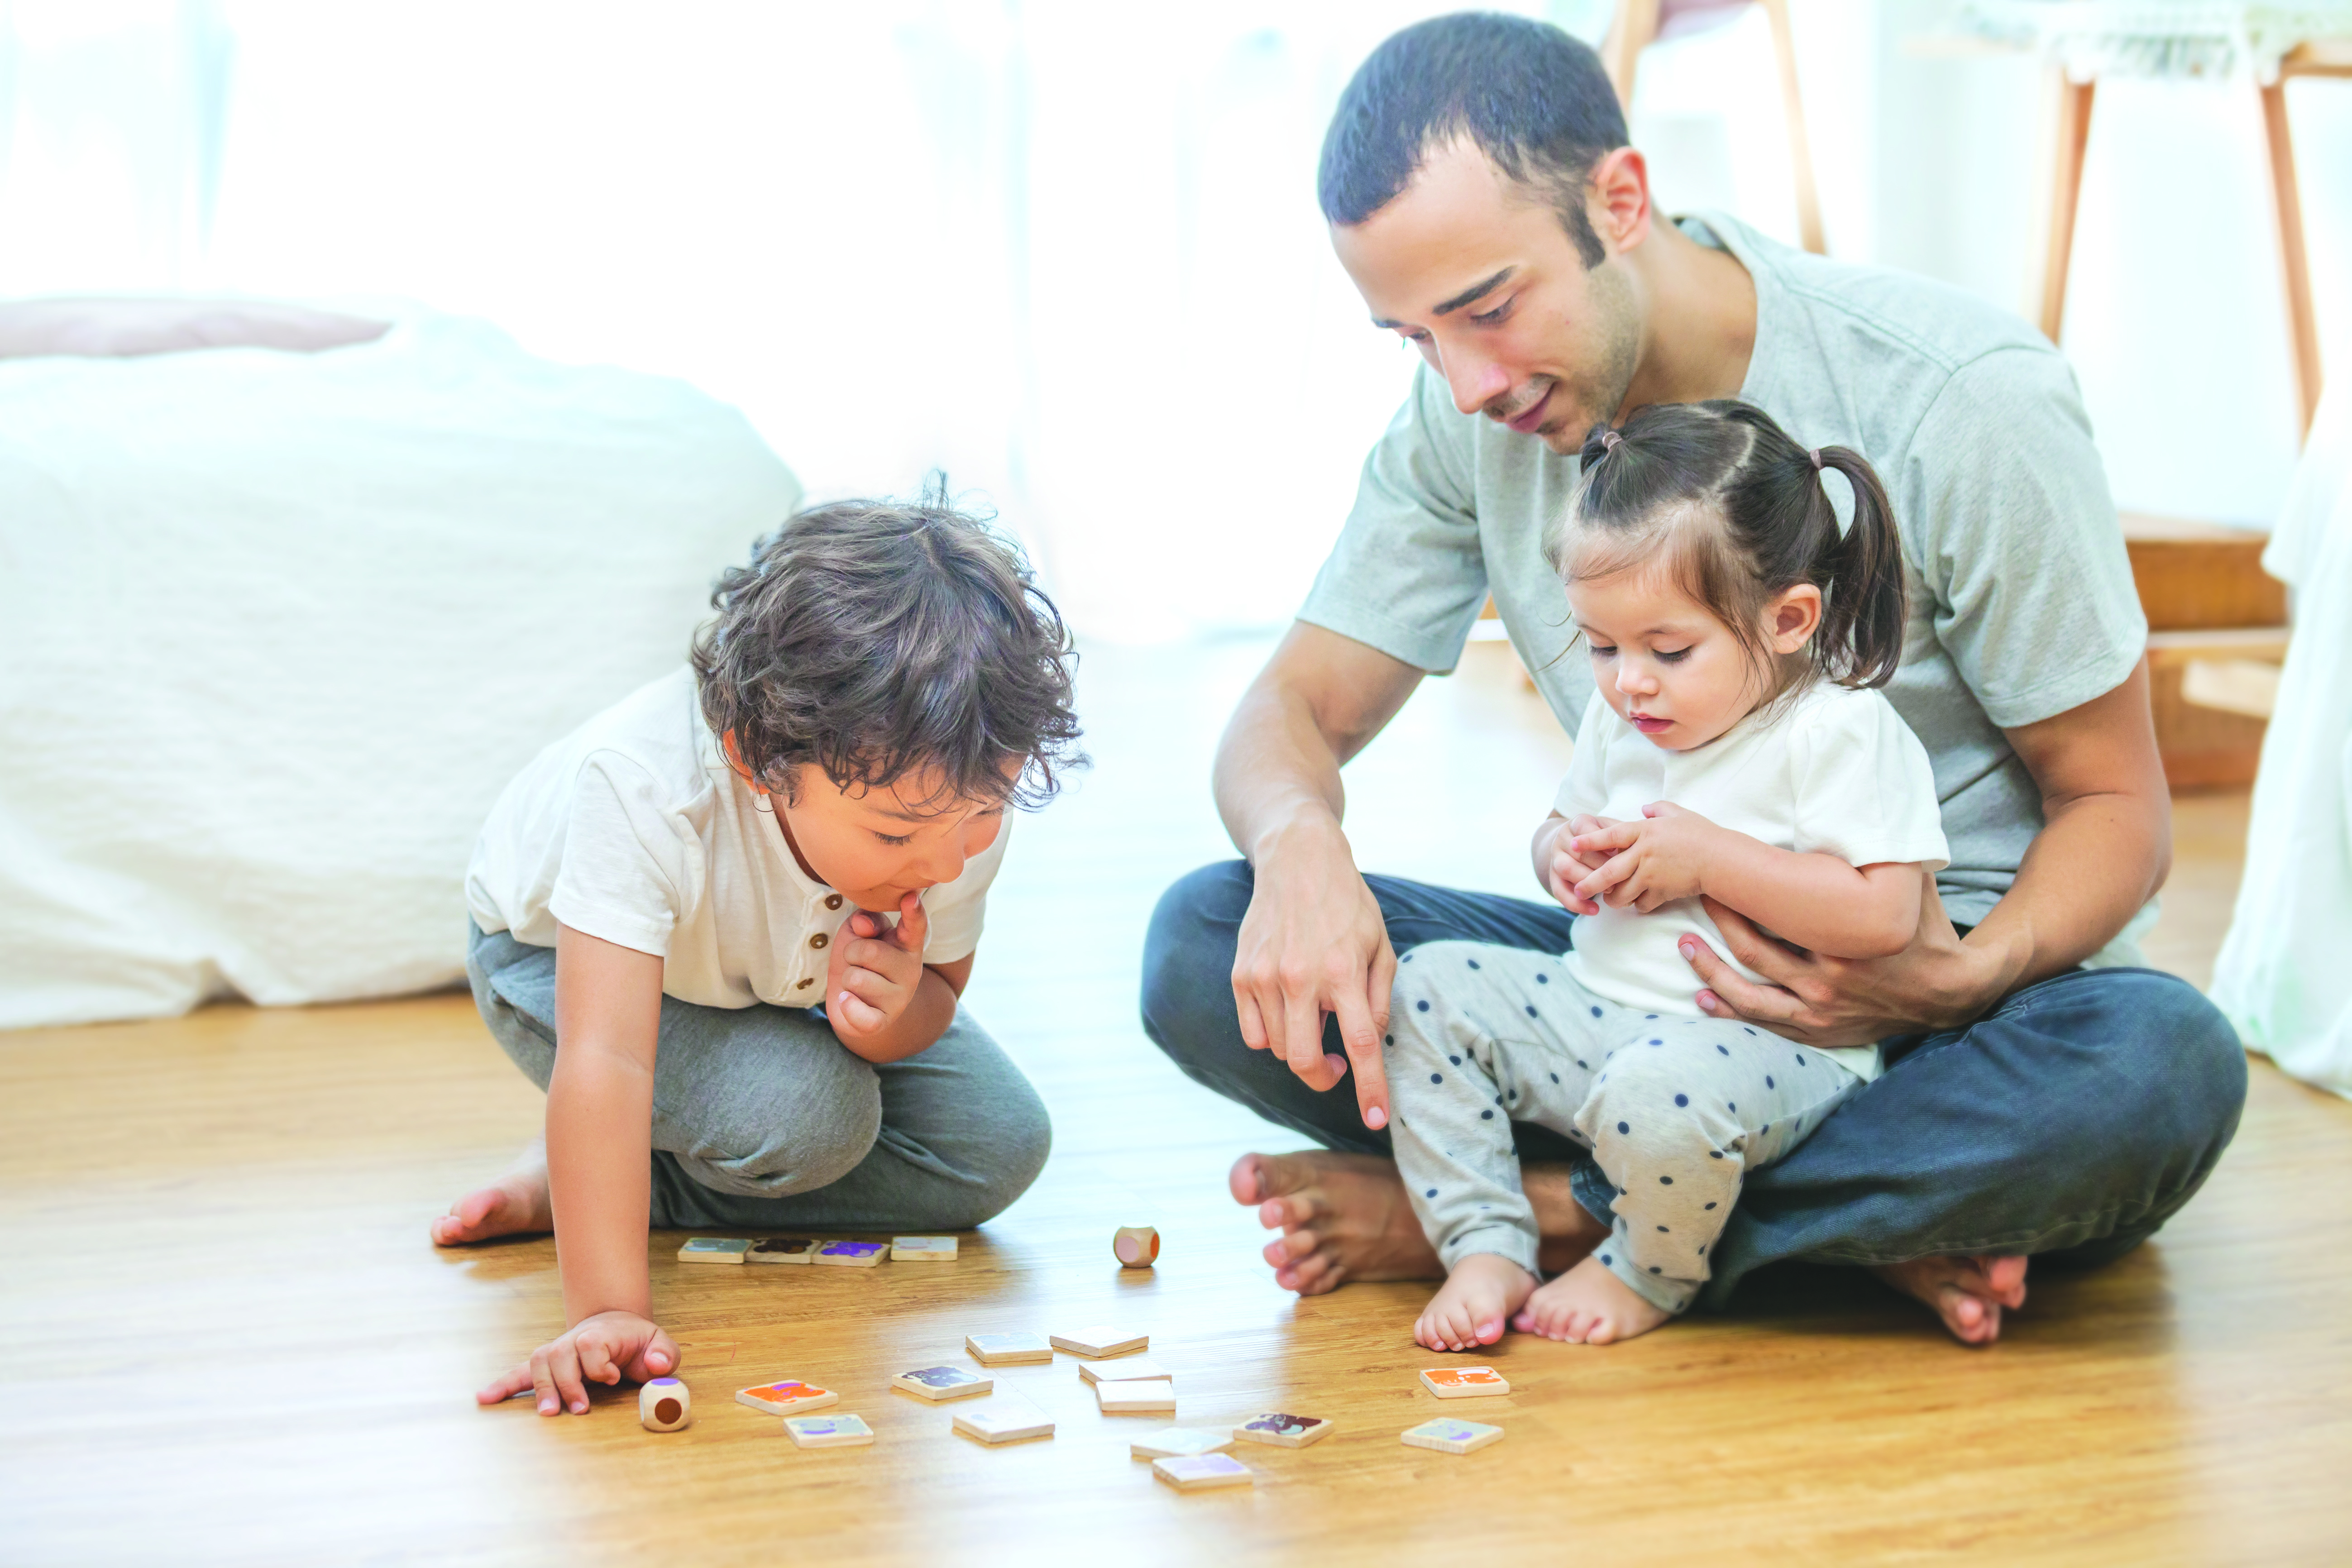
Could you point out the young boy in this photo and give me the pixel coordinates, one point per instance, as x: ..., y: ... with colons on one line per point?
x: 744, y: 902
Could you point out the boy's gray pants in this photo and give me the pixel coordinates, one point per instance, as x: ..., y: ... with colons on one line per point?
x: 763, y: 1121
x: 1673, y: 1108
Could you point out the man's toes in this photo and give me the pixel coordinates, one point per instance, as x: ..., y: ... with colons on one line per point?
x: 1294, y: 1248
x: 1246, y: 1180
x: 1286, y: 1212
x: 1278, y: 1174
x: 1972, y: 1320
x: 2005, y: 1278
x: 1310, y: 1276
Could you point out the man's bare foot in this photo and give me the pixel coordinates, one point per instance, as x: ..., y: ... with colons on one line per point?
x: 514, y: 1205
x: 1342, y: 1217
x: 1968, y: 1293
x: 1589, y: 1306
x: 1470, y: 1309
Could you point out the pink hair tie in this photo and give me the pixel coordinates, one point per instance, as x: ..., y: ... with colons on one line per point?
x: 1816, y: 456
x: 1609, y: 439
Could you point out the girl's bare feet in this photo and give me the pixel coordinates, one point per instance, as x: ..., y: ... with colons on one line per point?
x: 514, y: 1205
x: 1589, y: 1306
x: 1968, y: 1293
x: 1471, y: 1307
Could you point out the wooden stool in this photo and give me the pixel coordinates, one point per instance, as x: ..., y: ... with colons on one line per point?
x: 1638, y: 23
x: 2318, y: 58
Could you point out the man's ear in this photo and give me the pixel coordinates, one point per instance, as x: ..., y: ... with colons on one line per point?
x: 1793, y: 618
x: 1618, y: 199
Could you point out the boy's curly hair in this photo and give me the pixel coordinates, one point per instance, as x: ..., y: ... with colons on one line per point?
x: 877, y: 640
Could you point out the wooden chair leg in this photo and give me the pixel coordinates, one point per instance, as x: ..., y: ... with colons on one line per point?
x: 2303, y: 325
x: 1792, y: 109
x: 1634, y: 28
x: 2066, y: 192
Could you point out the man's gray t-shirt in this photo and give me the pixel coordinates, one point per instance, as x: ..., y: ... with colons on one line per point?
x: 2021, y: 603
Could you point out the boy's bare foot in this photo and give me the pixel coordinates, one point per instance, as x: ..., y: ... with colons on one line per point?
x: 514, y: 1205
x: 1471, y: 1307
x: 1342, y: 1216
x: 1968, y: 1293
x: 1589, y: 1306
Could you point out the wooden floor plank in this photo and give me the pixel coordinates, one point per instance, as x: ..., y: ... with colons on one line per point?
x: 229, y: 1341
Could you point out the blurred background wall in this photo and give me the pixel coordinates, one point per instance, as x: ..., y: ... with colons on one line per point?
x: 1069, y: 251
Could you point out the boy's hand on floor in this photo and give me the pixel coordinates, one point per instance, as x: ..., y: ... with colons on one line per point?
x: 604, y: 1349
x: 877, y: 967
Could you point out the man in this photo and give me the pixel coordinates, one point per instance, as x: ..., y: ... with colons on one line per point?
x: 2044, y: 1097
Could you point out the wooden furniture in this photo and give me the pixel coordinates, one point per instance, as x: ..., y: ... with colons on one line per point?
x: 2210, y: 607
x: 1639, y: 23
x: 2319, y: 58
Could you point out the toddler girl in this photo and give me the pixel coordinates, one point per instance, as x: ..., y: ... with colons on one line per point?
x: 1736, y: 748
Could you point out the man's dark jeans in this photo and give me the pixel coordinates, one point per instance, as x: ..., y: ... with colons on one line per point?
x: 2075, y: 1119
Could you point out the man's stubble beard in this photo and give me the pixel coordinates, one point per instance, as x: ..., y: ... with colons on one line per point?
x: 1603, y: 391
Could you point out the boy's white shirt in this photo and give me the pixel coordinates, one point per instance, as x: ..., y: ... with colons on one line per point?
x: 633, y: 828
x: 1836, y: 771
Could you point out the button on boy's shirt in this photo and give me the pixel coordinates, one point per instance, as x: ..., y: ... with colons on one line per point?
x: 2021, y: 594
x: 634, y: 829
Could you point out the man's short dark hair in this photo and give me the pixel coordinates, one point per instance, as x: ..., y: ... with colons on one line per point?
x: 877, y: 640
x: 1534, y: 100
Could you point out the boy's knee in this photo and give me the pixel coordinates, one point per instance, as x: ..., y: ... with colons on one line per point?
x: 1188, y: 959
x: 796, y: 1143
x: 1022, y: 1141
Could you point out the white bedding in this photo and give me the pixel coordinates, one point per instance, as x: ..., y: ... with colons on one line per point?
x: 275, y: 629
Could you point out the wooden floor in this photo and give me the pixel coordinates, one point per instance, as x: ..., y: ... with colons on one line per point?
x: 228, y: 1340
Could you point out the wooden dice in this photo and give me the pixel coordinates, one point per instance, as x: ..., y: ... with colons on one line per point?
x: 665, y: 1405
x: 1135, y: 1246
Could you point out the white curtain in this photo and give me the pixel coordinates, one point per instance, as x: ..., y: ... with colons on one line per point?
x: 2282, y: 975
x: 1068, y: 250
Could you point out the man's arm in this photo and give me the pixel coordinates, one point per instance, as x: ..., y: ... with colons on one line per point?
x: 2105, y: 848
x: 2105, y: 845
x: 1313, y: 941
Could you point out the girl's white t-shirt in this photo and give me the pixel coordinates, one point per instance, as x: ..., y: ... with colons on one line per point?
x: 633, y: 828
x: 1834, y: 772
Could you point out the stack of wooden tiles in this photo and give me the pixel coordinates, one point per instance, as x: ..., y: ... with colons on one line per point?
x: 2210, y: 603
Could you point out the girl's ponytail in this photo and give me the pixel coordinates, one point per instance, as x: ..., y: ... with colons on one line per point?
x: 1741, y: 513
x: 1860, y: 637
